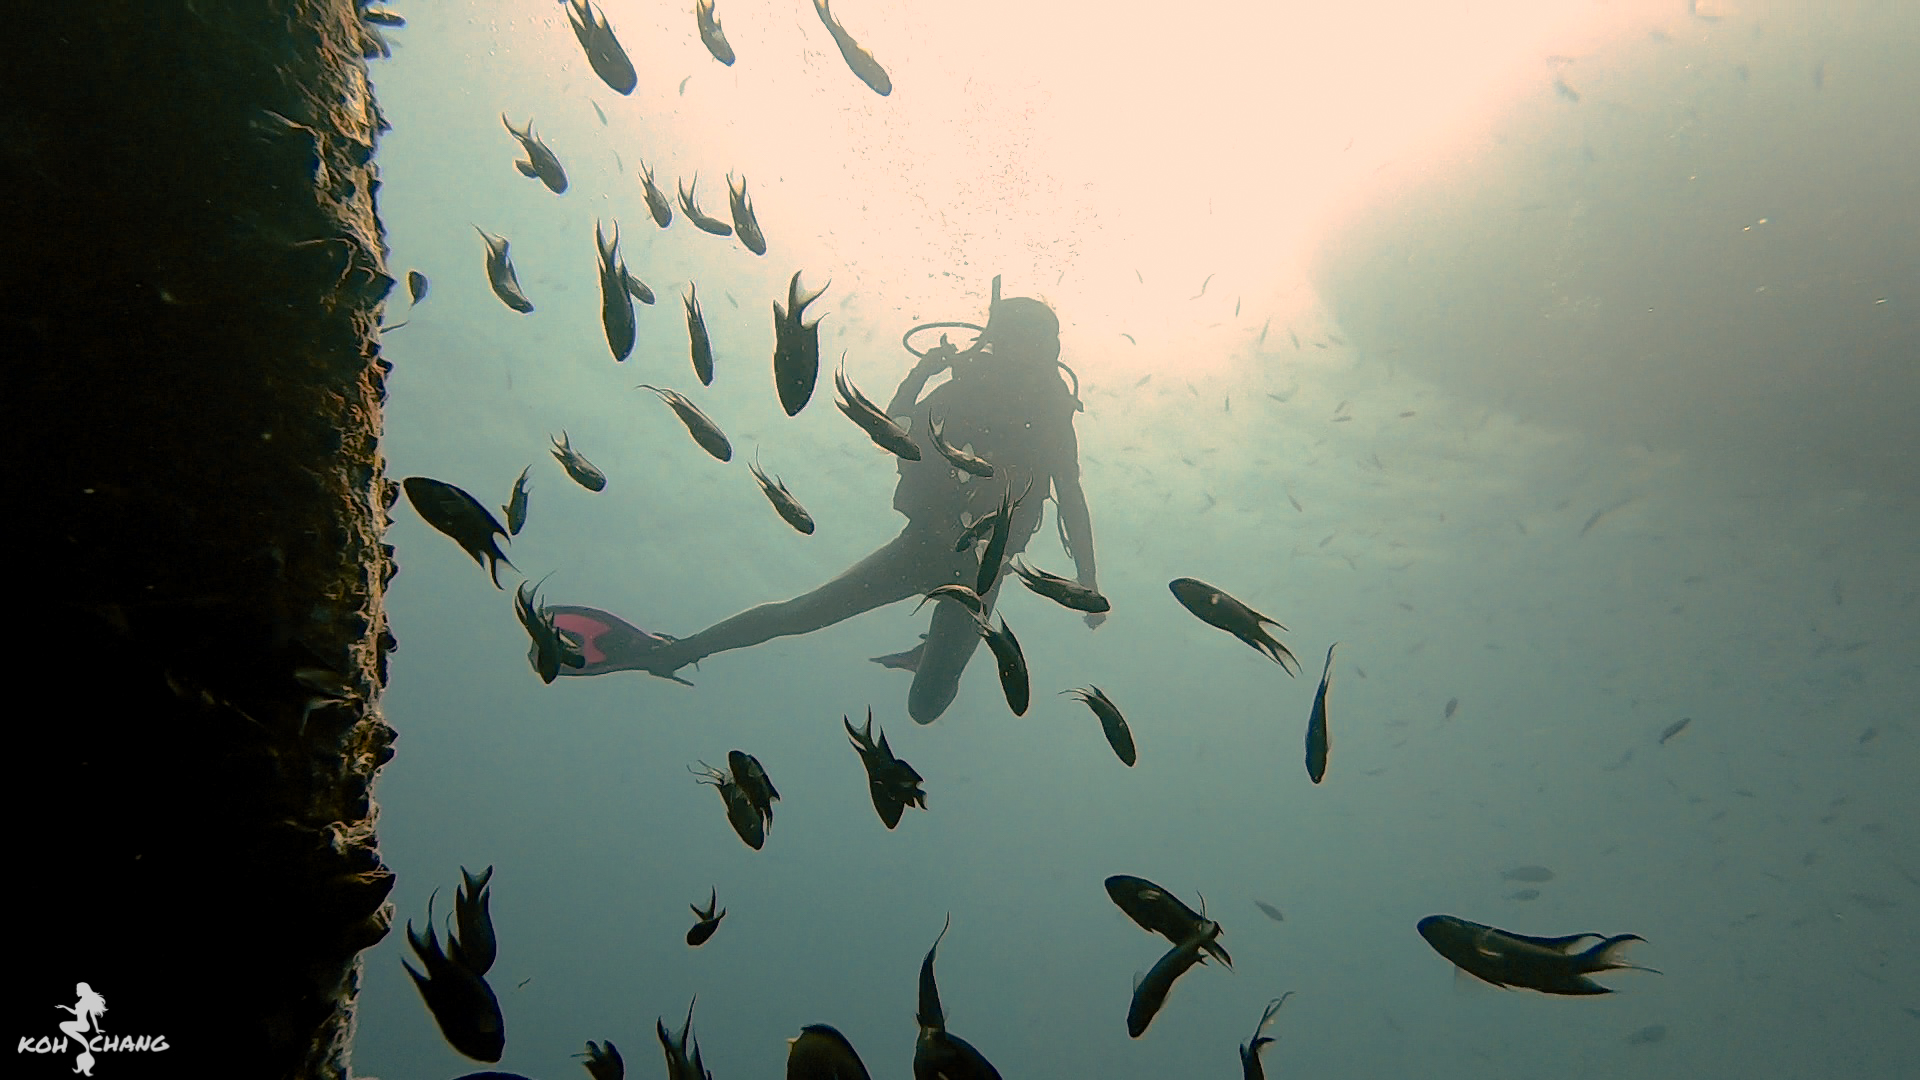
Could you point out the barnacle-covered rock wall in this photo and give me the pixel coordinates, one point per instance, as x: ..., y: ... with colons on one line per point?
x: 190, y: 284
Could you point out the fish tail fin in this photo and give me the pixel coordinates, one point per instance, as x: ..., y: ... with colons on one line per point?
x: 1609, y: 955
x: 493, y: 568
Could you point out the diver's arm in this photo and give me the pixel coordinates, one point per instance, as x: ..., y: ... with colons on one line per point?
x: 935, y: 361
x: 1077, y: 522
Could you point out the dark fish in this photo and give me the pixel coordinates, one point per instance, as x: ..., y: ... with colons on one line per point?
x: 683, y: 1053
x: 608, y: 59
x: 796, y: 348
x: 1111, y: 722
x: 1525, y: 895
x: 1652, y: 1033
x: 1216, y: 608
x: 1566, y: 92
x: 996, y: 542
x: 744, y: 223
x: 959, y: 594
x: 784, y: 503
x: 500, y: 273
x: 704, y: 430
x: 516, y: 507
x: 1013, y: 666
x: 741, y: 813
x: 382, y: 17
x: 1250, y: 1068
x: 699, y: 344
x: 583, y: 471
x: 657, y: 204
x: 541, y: 164
x: 857, y: 57
x: 751, y: 777
x: 1319, y: 742
x: 638, y: 289
x: 1675, y: 728
x: 958, y: 458
x: 1270, y: 911
x: 1152, y: 991
x: 937, y: 1054
x: 1548, y: 965
x: 1160, y: 912
x: 602, y: 114
x: 700, y: 220
x: 603, y: 1061
x: 891, y: 782
x: 711, y: 35
x: 549, y: 650
x: 1453, y: 706
x: 616, y: 305
x: 885, y: 432
x: 460, y: 516
x: 461, y: 1002
x: 474, y: 947
x: 1533, y: 874
x: 416, y: 286
x: 821, y: 1053
x: 1060, y: 590
x: 709, y: 921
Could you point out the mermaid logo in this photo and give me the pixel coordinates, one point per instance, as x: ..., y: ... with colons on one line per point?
x: 84, y: 1033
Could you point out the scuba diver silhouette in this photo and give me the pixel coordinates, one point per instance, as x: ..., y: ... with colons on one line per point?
x: 1008, y: 402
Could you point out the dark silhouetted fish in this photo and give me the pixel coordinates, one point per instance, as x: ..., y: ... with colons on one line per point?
x: 1675, y: 728
x: 500, y: 275
x: 1319, y: 741
x: 541, y: 164
x: 1152, y: 991
x: 699, y: 425
x: 751, y: 776
x: 474, y: 947
x: 461, y: 1002
x: 1557, y: 965
x: 1453, y: 706
x: 796, y: 348
x: 1250, y: 1067
x: 938, y: 1054
x: 709, y: 920
x: 741, y: 814
x: 608, y: 59
x: 784, y: 503
x: 1160, y: 912
x: 1270, y: 911
x: 690, y: 207
x: 616, y: 304
x: 1216, y: 608
x: 711, y: 35
x: 417, y: 286
x: 1648, y: 1035
x: 1533, y: 874
x: 584, y: 472
x: 958, y: 458
x: 821, y: 1053
x: 892, y: 783
x: 989, y: 571
x: 657, y: 204
x: 550, y: 651
x: 460, y: 516
x: 744, y: 224
x: 699, y: 343
x: 603, y: 1061
x: 1060, y: 590
x: 1111, y: 722
x: 683, y: 1053
x: 959, y: 594
x: 1012, y: 664
x: 638, y: 289
x: 885, y: 432
x: 856, y: 56
x: 516, y: 507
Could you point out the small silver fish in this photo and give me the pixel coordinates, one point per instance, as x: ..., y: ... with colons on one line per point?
x: 699, y: 425
x: 690, y: 207
x: 500, y: 275
x: 784, y: 503
x: 583, y: 471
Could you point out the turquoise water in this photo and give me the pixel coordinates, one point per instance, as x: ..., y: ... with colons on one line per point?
x: 1581, y: 534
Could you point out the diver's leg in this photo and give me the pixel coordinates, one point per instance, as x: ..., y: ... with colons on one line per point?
x: 951, y: 639
x: 891, y: 573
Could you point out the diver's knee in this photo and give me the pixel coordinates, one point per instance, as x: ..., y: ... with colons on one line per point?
x: 929, y: 698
